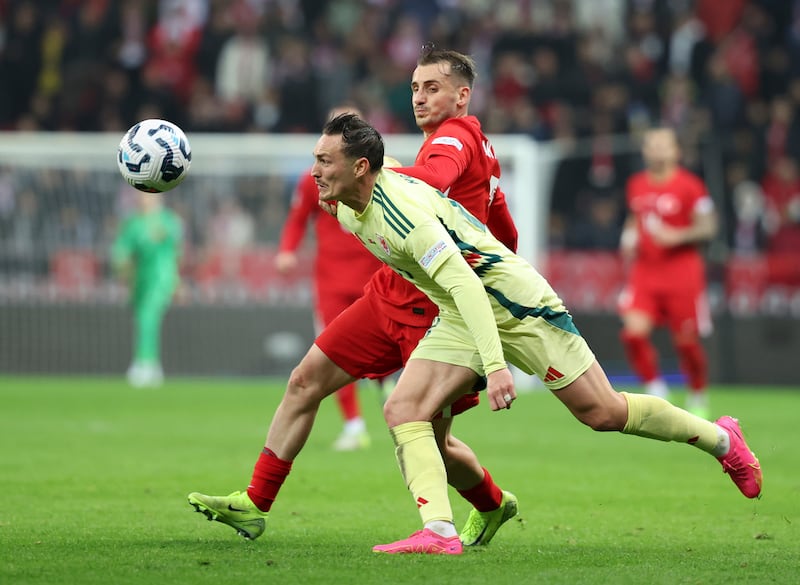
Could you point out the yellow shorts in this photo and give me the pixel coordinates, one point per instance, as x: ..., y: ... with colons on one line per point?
x: 547, y: 345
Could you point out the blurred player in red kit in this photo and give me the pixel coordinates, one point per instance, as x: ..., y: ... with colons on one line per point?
x: 670, y: 213
x: 342, y: 266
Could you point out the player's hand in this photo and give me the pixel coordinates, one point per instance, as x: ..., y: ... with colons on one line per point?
x: 328, y: 207
x: 667, y: 236
x: 500, y: 389
x: 285, y: 262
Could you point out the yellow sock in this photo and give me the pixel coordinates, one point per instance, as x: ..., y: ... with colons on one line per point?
x: 423, y: 469
x: 655, y: 418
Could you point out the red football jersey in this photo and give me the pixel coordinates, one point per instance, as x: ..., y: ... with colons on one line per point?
x: 672, y: 202
x: 342, y: 264
x: 462, y: 141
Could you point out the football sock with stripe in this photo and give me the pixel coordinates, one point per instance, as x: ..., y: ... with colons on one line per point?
x: 423, y: 469
x: 655, y: 418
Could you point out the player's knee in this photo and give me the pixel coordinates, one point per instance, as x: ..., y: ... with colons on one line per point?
x: 603, y: 416
x: 305, y: 385
x: 392, y: 412
x: 397, y: 410
x: 632, y: 335
x: 685, y: 339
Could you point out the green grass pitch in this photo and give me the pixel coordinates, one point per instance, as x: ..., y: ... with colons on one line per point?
x: 94, y: 477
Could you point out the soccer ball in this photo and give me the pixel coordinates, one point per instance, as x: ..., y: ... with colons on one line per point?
x: 154, y: 156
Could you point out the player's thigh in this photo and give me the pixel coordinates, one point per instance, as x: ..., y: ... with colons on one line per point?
x: 449, y: 341
x: 549, y: 346
x: 638, y: 306
x: 362, y: 342
x: 593, y: 401
x: 317, y: 376
x: 424, y: 388
x: 153, y: 300
x: 688, y: 314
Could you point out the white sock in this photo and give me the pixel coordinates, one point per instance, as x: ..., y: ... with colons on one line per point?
x: 355, y: 426
x: 442, y: 528
x: 723, y: 442
x: 697, y: 400
x: 658, y: 388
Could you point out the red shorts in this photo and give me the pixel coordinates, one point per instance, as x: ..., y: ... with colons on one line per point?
x: 365, y: 343
x: 328, y: 306
x: 683, y: 309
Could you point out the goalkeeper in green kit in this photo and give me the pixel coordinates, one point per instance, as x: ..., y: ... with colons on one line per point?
x: 145, y: 254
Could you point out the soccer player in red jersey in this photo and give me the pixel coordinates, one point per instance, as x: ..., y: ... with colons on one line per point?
x: 670, y: 214
x: 375, y: 335
x: 339, y: 280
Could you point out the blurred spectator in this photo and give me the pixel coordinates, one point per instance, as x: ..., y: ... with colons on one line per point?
x: 687, y: 31
x: 600, y: 228
x: 244, y: 67
x: 68, y: 228
x: 173, y: 44
x: 132, y: 46
x: 748, y: 202
x: 298, y: 91
x: 723, y: 97
x: 782, y: 134
x: 20, y: 61
x: 23, y: 233
x: 781, y: 188
x: 231, y: 228
x: 719, y: 18
x: 678, y: 101
x: 725, y: 75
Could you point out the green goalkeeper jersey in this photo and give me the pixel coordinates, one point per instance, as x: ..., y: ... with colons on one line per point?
x: 149, y: 245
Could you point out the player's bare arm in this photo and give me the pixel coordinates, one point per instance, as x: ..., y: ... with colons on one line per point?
x: 285, y: 261
x: 702, y: 229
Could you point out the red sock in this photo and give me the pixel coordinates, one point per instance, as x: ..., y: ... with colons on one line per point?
x: 268, y: 477
x: 641, y: 355
x: 692, y: 358
x: 347, y: 398
x: 485, y: 496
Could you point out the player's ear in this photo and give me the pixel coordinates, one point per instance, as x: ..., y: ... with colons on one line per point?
x: 464, y: 93
x: 361, y: 167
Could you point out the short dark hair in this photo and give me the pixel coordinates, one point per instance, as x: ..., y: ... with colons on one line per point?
x: 461, y: 65
x: 359, y: 139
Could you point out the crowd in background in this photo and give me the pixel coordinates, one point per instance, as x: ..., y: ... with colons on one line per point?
x: 587, y: 76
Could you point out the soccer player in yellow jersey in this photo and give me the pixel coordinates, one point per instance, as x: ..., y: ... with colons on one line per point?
x: 493, y: 307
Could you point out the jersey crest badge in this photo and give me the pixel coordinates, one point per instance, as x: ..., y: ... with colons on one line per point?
x: 381, y: 241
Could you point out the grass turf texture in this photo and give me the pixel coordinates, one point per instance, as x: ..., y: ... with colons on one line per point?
x: 94, y: 477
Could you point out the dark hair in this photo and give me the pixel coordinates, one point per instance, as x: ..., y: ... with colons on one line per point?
x: 461, y: 65
x: 359, y: 139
